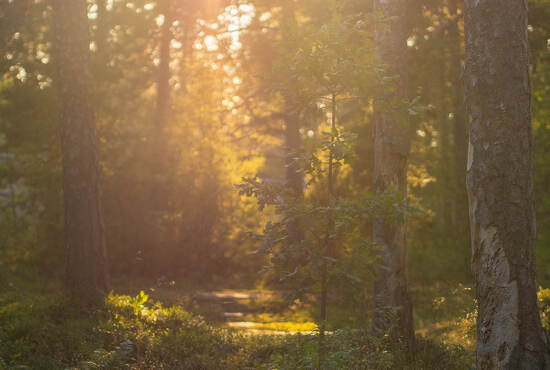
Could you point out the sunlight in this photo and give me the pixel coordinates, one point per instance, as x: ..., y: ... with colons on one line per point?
x: 178, y: 177
x: 159, y: 20
x: 92, y: 12
x: 237, y: 18
x: 211, y: 43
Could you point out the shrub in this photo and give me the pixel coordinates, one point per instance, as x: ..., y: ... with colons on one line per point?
x: 45, y: 332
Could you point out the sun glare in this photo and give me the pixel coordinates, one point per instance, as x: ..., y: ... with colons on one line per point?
x: 237, y: 18
x: 211, y: 43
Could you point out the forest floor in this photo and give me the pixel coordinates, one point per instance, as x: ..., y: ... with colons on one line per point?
x: 444, y: 312
x: 176, y: 325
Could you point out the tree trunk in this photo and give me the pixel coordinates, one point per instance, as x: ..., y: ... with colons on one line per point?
x: 294, y: 178
x: 391, y: 146
x: 84, y: 231
x: 102, y: 28
x: 460, y: 131
x: 500, y: 186
x: 163, y: 79
x: 445, y: 164
x: 159, y: 156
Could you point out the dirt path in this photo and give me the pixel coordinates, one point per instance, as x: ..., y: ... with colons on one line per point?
x: 239, y: 309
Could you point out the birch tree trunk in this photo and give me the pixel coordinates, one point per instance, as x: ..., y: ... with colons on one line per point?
x: 84, y: 230
x: 500, y: 186
x: 391, y: 148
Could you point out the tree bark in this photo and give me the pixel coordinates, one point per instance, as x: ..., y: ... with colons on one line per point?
x: 391, y: 147
x: 84, y: 230
x: 500, y: 186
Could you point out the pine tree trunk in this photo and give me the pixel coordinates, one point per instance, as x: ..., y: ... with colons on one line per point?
x: 293, y: 141
x: 460, y: 130
x: 159, y: 156
x: 84, y: 231
x: 102, y: 27
x: 500, y: 186
x: 445, y: 152
x: 163, y: 78
x: 294, y: 178
x: 391, y: 148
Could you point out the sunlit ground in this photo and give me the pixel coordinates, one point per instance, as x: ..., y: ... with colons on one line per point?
x: 443, y: 312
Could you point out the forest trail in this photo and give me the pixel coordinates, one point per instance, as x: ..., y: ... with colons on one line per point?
x: 252, y: 312
x: 444, y: 311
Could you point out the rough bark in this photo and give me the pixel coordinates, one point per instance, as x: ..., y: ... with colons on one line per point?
x: 84, y: 230
x: 391, y: 148
x: 500, y: 186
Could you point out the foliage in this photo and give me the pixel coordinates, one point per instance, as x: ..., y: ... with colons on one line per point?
x: 330, y: 249
x: 42, y: 332
x: 196, y: 218
x: 237, y: 69
x: 544, y: 306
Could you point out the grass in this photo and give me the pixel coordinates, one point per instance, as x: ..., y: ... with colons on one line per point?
x: 446, y: 313
x: 40, y: 330
x: 443, y: 311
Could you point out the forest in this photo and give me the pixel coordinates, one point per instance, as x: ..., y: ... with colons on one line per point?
x: 274, y: 184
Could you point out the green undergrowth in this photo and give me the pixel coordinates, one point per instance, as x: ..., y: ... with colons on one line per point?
x: 43, y: 331
x: 445, y: 312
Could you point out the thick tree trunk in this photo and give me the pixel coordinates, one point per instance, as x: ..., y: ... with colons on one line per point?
x: 84, y: 231
x: 391, y: 148
x: 500, y: 186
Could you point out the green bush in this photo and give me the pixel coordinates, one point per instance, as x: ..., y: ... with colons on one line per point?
x: 544, y: 305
